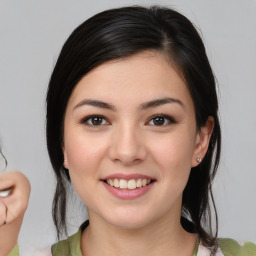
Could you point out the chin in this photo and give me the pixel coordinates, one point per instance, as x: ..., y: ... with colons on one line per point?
x: 129, y: 220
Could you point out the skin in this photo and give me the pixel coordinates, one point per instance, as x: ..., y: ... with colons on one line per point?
x: 129, y: 141
x: 12, y: 209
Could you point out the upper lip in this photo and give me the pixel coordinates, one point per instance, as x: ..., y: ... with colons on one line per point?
x: 127, y: 176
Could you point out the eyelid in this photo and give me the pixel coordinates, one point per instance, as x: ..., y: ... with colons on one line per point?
x: 85, y: 120
x: 170, y: 119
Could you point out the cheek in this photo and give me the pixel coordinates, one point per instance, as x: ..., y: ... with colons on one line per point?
x: 84, y: 153
x: 173, y: 156
x: 173, y: 152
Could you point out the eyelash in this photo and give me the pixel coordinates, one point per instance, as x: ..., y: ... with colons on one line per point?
x: 169, y: 119
x: 85, y: 120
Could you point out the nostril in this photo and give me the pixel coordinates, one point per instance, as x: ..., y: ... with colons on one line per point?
x: 127, y: 148
x: 127, y: 158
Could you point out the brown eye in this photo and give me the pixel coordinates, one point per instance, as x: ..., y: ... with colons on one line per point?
x: 94, y: 120
x: 97, y: 120
x: 158, y: 120
x: 161, y: 120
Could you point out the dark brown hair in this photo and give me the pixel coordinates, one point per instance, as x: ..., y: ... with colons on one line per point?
x: 119, y: 33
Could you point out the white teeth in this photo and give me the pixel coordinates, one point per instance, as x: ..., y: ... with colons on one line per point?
x: 132, y: 184
x: 128, y: 184
x: 116, y: 183
x: 123, y: 184
x: 139, y: 184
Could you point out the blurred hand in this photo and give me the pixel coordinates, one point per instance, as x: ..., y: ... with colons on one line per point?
x: 12, y: 208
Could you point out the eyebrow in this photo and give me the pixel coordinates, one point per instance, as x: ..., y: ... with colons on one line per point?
x: 159, y: 102
x: 95, y: 103
x: 143, y: 106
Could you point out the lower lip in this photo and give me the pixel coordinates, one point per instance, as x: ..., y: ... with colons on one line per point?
x: 128, y: 193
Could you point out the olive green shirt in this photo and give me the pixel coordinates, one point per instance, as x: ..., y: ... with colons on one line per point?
x: 227, y: 247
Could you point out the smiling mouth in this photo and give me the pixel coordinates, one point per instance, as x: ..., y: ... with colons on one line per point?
x: 128, y: 184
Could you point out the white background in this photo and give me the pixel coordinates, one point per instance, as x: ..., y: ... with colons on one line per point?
x: 31, y: 36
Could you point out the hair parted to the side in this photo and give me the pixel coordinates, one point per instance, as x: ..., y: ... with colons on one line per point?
x: 119, y: 33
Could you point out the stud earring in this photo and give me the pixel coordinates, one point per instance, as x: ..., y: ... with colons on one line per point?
x: 199, y: 160
x: 65, y: 162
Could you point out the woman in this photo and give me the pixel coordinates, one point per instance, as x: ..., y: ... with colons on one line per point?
x: 132, y: 124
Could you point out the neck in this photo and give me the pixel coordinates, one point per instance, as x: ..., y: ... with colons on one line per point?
x: 102, y: 238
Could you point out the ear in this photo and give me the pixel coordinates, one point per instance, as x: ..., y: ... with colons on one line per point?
x: 202, y: 141
x: 65, y: 164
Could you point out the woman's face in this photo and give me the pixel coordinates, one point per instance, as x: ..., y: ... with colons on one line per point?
x: 130, y: 140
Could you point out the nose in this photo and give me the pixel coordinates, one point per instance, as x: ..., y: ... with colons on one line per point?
x: 127, y: 146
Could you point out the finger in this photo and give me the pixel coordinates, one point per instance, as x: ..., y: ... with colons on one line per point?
x: 12, y: 179
x: 3, y: 213
x: 16, y: 203
x: 14, y: 211
x: 5, y: 193
x: 7, y: 180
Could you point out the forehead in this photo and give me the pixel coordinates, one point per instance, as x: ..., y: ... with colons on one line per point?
x: 140, y: 77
